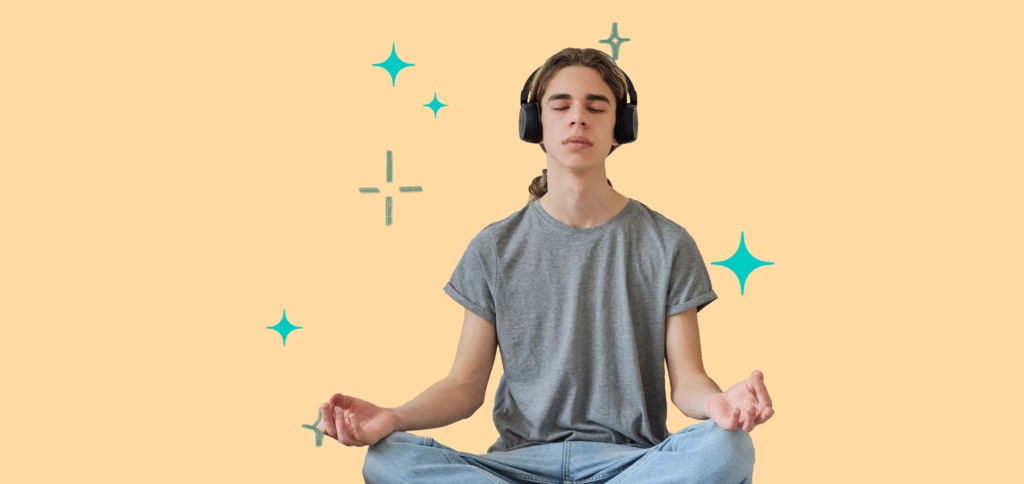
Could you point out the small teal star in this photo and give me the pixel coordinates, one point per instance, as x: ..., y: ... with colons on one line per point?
x: 284, y: 327
x: 435, y: 105
x: 315, y: 427
x: 393, y: 64
x: 742, y: 263
x: 615, y: 41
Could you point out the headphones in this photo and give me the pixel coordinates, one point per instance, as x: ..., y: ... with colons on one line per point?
x: 531, y: 131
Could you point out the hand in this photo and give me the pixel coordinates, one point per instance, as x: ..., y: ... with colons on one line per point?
x: 355, y: 422
x: 745, y: 405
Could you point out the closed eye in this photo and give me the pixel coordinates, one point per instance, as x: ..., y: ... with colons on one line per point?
x: 591, y: 109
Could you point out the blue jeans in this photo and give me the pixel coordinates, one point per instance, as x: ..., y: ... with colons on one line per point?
x: 701, y: 453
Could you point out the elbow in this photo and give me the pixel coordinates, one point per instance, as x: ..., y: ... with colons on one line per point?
x: 472, y: 405
x: 469, y: 396
x: 477, y: 402
x: 678, y: 398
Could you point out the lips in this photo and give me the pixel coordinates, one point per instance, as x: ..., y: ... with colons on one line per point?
x: 577, y: 139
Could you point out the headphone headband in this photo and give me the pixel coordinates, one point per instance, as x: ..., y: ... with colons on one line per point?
x: 524, y: 96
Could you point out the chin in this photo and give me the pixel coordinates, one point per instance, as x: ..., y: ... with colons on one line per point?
x: 588, y: 155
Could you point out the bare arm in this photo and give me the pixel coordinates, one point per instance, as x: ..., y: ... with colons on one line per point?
x: 458, y: 395
x: 356, y: 422
x: 691, y: 386
x: 743, y: 406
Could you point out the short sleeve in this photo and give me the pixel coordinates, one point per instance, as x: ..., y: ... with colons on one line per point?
x: 472, y: 283
x: 689, y: 283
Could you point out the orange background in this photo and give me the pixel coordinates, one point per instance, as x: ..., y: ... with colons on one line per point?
x: 177, y: 174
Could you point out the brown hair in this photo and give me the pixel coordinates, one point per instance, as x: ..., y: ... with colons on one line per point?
x: 540, y: 186
x: 571, y: 56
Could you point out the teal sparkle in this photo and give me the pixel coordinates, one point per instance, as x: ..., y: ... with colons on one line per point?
x: 315, y: 427
x: 742, y: 263
x: 615, y: 41
x: 435, y: 105
x: 387, y: 200
x: 393, y: 65
x: 284, y: 327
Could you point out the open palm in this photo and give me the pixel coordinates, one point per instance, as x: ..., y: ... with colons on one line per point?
x: 355, y: 422
x: 743, y: 406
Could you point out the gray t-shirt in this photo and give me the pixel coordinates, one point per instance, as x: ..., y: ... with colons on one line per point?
x: 580, y: 318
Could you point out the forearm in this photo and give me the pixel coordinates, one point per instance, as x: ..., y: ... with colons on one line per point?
x: 445, y: 402
x: 692, y: 399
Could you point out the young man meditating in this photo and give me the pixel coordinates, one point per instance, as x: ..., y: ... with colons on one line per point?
x: 588, y: 293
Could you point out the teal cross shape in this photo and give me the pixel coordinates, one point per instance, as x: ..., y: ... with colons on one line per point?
x: 387, y: 201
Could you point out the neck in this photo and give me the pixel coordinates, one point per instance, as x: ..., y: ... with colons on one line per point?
x: 581, y: 199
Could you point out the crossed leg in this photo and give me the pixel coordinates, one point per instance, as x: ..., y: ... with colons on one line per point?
x: 404, y: 458
x: 702, y: 453
x: 699, y: 454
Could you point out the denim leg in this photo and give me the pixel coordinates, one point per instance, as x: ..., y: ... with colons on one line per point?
x: 598, y: 463
x: 702, y: 453
x: 404, y: 458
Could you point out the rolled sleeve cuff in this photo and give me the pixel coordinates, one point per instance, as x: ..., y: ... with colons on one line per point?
x: 698, y: 302
x: 470, y: 305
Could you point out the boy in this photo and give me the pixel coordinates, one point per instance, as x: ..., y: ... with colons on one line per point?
x: 588, y: 293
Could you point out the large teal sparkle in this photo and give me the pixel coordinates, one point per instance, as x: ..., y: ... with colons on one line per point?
x: 614, y: 40
x: 742, y: 263
x: 393, y: 64
x: 315, y: 427
x: 284, y: 327
x: 435, y: 105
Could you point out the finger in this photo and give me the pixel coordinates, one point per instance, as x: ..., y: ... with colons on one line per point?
x: 734, y: 419
x: 763, y: 399
x: 751, y: 421
x: 339, y: 422
x: 340, y: 400
x: 353, y: 423
x: 766, y: 414
x: 357, y: 440
x: 751, y: 393
x: 327, y: 421
x: 357, y: 427
x: 326, y: 427
x: 350, y: 423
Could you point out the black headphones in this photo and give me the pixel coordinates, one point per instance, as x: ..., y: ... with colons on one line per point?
x: 531, y: 131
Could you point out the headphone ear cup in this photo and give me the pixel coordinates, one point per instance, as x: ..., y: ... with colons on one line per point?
x: 626, y: 126
x: 530, y: 129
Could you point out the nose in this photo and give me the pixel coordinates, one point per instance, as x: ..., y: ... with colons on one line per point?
x: 578, y: 116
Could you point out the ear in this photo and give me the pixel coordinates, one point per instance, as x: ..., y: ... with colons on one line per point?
x: 615, y: 142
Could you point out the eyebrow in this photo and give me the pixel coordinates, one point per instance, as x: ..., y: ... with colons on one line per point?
x: 590, y: 97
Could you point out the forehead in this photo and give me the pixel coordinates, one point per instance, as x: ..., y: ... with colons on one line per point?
x: 577, y: 82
